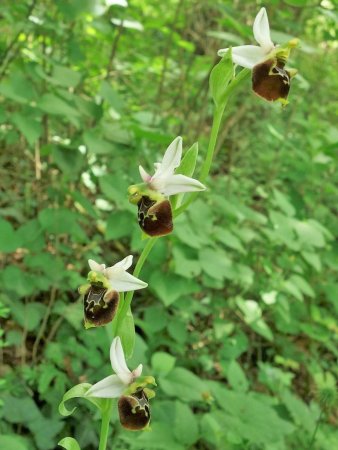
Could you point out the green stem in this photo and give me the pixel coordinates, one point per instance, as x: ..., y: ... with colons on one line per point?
x: 217, y: 119
x: 315, y: 430
x: 106, y: 414
x: 142, y: 259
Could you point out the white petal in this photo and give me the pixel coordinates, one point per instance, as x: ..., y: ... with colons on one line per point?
x: 122, y: 281
x: 118, y: 362
x: 180, y: 183
x: 247, y: 55
x: 125, y: 263
x: 171, y: 159
x: 261, y: 31
x: 95, y: 266
x: 109, y: 387
x: 138, y: 371
x: 144, y: 175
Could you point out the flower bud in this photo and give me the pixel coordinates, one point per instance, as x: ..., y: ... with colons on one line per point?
x: 155, y: 217
x: 134, y: 410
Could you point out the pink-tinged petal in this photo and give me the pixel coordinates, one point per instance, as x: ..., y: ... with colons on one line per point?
x: 109, y: 387
x: 171, y: 159
x: 181, y: 183
x: 95, y: 266
x: 138, y: 371
x: 248, y: 55
x: 261, y: 31
x: 118, y: 362
x: 122, y: 281
x: 144, y: 175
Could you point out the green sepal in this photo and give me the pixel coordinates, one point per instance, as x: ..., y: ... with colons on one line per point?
x: 69, y: 443
x: 220, y: 77
x: 79, y: 391
x: 140, y: 383
x: 125, y: 328
x: 149, y: 393
x: 187, y: 168
x: 83, y: 288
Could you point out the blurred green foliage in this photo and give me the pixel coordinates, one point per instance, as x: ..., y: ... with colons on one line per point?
x: 239, y: 321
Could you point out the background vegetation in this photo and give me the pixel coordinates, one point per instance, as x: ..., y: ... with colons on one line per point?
x: 238, y: 323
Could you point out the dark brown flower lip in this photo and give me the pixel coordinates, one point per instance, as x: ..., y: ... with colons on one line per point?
x: 134, y: 411
x: 155, y: 217
x: 270, y: 80
x: 99, y: 305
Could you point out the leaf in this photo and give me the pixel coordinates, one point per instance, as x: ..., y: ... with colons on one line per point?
x: 220, y: 77
x: 28, y: 126
x: 126, y: 330
x: 186, y: 428
x: 64, y: 76
x: 78, y: 391
x: 162, y: 363
x: 12, y: 442
x: 214, y: 263
x: 236, y: 377
x: 9, y: 239
x: 69, y: 443
x: 184, y: 385
x: 188, y: 163
x: 111, y: 96
x: 120, y: 224
x: 170, y: 287
x: 30, y: 315
x: 55, y: 105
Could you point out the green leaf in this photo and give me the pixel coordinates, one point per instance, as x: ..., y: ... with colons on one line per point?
x: 120, y: 224
x: 236, y: 377
x: 9, y: 239
x: 69, y: 443
x: 214, y: 263
x: 186, y: 428
x: 79, y: 391
x: 111, y: 96
x: 64, y: 76
x: 170, y: 287
x: 126, y: 330
x: 55, y: 105
x: 12, y: 442
x: 184, y: 385
x: 188, y: 163
x: 162, y: 363
x: 29, y: 316
x: 220, y: 77
x: 28, y: 126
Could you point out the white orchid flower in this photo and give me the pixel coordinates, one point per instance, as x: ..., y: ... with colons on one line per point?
x: 119, y: 278
x: 250, y: 55
x: 113, y: 386
x: 164, y: 180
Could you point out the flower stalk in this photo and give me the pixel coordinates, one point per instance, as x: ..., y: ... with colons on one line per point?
x: 106, y: 415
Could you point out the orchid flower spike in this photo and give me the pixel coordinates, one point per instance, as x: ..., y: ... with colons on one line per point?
x: 101, y: 293
x: 270, y: 80
x: 154, y: 209
x: 129, y: 387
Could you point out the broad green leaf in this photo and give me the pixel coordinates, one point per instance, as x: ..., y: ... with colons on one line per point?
x: 182, y: 384
x: 170, y: 287
x: 12, y: 442
x: 64, y: 76
x: 69, y: 443
x: 162, y: 363
x: 236, y: 377
x: 29, y: 127
x: 120, y: 224
x: 186, y: 427
x: 220, y: 77
x: 9, y: 239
